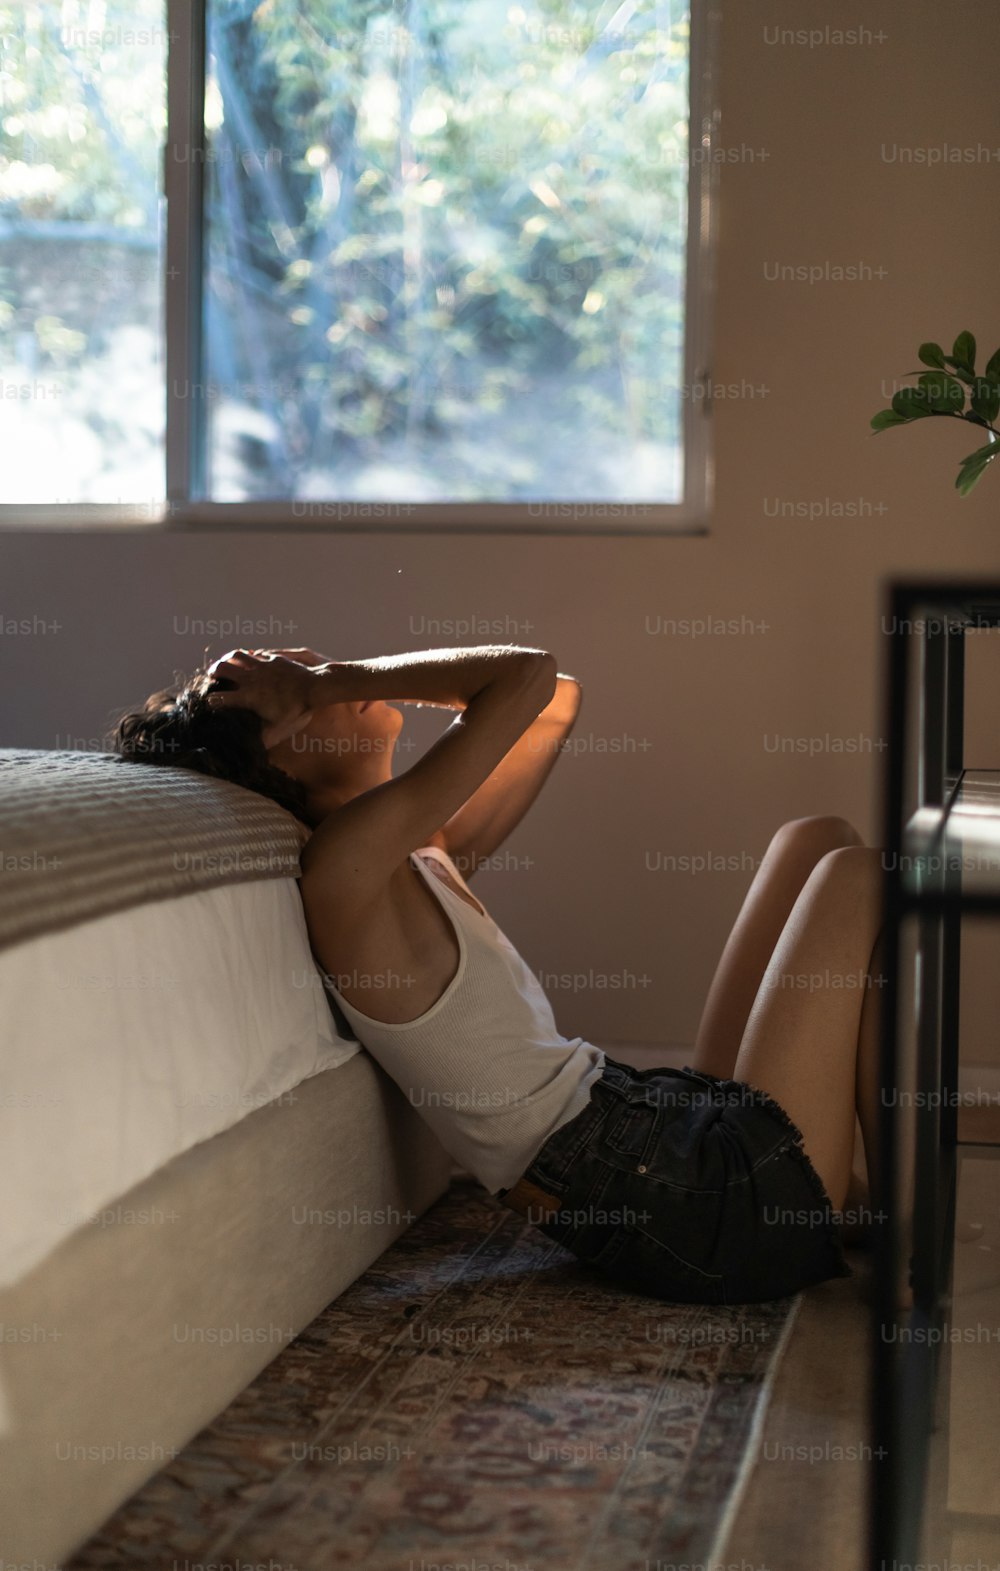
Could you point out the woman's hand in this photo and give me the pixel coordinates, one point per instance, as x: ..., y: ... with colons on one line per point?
x: 273, y: 686
x: 307, y: 657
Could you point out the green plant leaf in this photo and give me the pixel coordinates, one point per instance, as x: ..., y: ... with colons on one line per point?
x: 885, y: 418
x: 931, y: 354
x: 968, y: 377
x: 945, y: 393
x: 985, y: 398
x: 992, y: 372
x: 991, y: 450
x: 967, y: 478
x: 964, y: 351
x: 973, y: 465
x: 912, y: 403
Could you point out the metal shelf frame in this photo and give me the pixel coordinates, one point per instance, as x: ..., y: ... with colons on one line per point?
x: 927, y: 626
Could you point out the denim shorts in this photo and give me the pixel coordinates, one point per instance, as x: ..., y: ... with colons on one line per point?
x: 688, y: 1187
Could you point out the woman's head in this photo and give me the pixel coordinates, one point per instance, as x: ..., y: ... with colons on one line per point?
x: 345, y: 748
x: 178, y: 726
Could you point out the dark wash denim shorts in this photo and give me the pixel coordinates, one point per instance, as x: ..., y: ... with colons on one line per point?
x: 690, y: 1188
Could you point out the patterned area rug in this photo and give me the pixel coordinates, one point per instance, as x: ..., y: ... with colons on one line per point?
x: 477, y: 1400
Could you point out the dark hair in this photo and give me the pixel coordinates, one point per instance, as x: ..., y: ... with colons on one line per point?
x: 180, y: 728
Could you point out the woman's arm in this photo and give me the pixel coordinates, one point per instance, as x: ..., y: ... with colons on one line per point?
x: 500, y: 689
x: 450, y: 677
x: 497, y: 807
x: 280, y: 688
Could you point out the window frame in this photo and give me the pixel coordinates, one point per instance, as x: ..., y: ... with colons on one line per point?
x: 183, y: 193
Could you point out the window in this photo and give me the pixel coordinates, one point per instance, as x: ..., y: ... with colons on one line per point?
x: 82, y: 122
x: 427, y: 263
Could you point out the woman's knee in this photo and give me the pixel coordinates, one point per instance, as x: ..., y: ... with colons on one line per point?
x: 853, y: 861
x: 814, y: 837
x: 853, y: 873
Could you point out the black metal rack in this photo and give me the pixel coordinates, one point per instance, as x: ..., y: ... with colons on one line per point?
x: 941, y: 858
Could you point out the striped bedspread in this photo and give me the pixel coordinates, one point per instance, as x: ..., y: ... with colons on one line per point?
x: 85, y: 834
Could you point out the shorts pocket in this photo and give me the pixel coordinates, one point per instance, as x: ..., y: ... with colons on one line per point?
x: 629, y: 1131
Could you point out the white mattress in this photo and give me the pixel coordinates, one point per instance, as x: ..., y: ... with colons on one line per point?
x: 130, y: 1038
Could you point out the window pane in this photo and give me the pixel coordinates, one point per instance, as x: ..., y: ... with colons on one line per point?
x: 82, y: 107
x: 446, y: 250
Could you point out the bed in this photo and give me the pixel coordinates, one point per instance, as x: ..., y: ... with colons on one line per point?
x: 197, y: 1155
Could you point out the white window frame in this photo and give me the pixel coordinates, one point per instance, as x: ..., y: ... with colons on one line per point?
x: 185, y: 426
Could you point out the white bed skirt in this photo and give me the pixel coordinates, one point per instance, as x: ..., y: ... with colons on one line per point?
x: 141, y: 1326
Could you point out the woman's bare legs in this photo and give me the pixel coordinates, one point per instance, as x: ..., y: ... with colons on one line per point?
x: 787, y: 863
x: 795, y: 1004
x: 811, y: 1039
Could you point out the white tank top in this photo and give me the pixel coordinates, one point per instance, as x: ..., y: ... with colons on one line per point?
x: 485, y: 1066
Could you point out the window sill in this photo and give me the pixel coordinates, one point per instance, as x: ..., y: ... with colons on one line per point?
x: 529, y: 518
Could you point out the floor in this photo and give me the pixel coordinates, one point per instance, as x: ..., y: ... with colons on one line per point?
x: 476, y: 1390
x: 963, y: 1497
x: 805, y: 1503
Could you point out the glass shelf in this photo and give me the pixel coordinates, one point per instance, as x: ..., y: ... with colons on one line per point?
x: 951, y: 854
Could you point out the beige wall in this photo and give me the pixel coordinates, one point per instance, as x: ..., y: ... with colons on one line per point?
x: 709, y: 707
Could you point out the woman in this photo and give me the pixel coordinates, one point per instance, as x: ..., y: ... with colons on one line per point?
x: 717, y: 1183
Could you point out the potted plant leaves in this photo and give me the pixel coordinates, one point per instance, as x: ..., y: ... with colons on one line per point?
x: 943, y: 390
